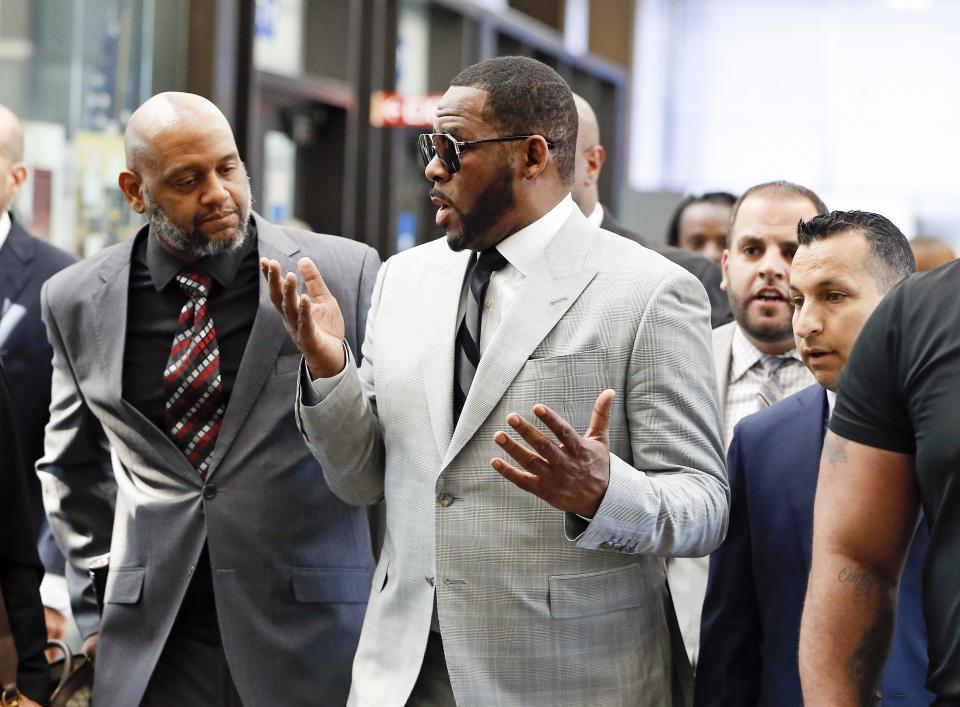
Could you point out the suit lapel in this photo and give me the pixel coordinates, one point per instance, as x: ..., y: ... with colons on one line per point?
x: 15, y: 257
x: 263, y: 345
x: 544, y: 297
x: 801, y: 479
x: 109, y: 304
x: 439, y: 305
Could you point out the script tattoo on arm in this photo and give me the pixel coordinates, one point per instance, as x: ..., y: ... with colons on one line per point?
x: 835, y: 449
x: 863, y: 584
x: 864, y: 666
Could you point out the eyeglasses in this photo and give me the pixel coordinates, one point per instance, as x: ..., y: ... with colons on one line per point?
x: 447, y: 149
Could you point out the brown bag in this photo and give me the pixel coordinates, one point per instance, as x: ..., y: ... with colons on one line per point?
x: 75, y: 687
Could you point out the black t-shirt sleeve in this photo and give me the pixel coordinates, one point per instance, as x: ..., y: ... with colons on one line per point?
x: 871, y: 407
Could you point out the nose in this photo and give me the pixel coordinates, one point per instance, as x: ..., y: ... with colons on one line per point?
x: 713, y: 251
x: 773, y: 266
x: 214, y: 192
x: 435, y: 171
x: 807, y: 321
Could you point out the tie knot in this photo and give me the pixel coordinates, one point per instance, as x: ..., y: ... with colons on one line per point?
x: 772, y: 364
x: 490, y: 261
x: 195, y: 285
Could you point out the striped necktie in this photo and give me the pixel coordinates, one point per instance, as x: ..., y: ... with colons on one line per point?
x: 194, y: 406
x: 468, y: 333
x: 770, y: 389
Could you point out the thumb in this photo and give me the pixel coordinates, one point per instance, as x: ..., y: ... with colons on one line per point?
x: 600, y: 419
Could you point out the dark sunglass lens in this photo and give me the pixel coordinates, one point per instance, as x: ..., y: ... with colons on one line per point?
x: 426, y: 148
x: 446, y: 150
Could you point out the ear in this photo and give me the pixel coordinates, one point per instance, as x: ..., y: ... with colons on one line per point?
x: 537, y: 156
x: 595, y: 157
x: 724, y: 260
x: 18, y: 174
x: 131, y: 185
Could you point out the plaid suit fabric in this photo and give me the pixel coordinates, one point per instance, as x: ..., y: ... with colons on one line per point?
x: 535, y: 606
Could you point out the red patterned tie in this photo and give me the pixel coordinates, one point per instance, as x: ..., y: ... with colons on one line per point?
x: 194, y: 408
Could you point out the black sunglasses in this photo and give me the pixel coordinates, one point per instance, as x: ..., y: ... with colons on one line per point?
x: 447, y: 149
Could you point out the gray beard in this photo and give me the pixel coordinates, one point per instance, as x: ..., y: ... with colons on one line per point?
x: 192, y: 243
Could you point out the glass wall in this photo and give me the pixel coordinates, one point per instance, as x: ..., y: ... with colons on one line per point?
x: 74, y: 72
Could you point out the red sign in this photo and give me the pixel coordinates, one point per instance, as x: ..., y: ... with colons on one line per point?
x: 396, y: 110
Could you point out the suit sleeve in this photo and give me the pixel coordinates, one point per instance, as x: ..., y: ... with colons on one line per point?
x: 670, y: 499
x: 79, y: 491
x: 342, y: 430
x: 730, y: 631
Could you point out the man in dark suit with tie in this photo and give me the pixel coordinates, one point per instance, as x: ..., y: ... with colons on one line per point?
x: 235, y: 575
x: 589, y: 163
x: 25, y: 264
x: 845, y: 263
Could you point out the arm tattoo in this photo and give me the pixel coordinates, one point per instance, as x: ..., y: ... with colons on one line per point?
x: 864, y: 666
x: 835, y: 449
x: 863, y: 583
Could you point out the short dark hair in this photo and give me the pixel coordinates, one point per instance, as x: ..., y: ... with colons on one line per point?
x: 892, y: 255
x: 780, y: 188
x: 721, y: 198
x: 527, y: 97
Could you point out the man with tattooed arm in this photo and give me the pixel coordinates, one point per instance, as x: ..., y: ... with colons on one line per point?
x: 893, y: 448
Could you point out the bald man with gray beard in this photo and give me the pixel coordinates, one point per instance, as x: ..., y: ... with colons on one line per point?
x: 235, y: 576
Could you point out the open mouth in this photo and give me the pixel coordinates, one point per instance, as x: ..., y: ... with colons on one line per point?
x: 443, y: 208
x: 770, y: 295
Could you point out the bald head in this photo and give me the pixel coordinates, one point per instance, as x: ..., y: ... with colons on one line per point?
x: 590, y: 158
x: 163, y: 116
x: 11, y: 136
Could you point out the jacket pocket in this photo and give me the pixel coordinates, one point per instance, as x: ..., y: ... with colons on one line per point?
x: 325, y: 585
x: 565, y: 367
x: 575, y: 595
x: 124, y: 585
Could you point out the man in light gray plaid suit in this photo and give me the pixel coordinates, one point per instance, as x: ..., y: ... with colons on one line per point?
x: 525, y: 568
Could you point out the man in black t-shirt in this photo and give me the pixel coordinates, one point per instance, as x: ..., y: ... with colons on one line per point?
x: 893, y: 445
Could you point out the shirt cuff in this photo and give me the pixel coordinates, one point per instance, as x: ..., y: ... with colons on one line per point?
x: 322, y: 387
x: 54, y: 593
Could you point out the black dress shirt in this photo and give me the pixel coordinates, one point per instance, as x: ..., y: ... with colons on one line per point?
x: 153, y: 309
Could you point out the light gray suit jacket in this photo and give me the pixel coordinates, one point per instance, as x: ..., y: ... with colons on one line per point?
x: 291, y: 563
x: 688, y: 576
x: 536, y: 607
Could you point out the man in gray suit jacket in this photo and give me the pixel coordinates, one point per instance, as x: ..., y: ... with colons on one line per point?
x: 510, y: 576
x: 235, y: 574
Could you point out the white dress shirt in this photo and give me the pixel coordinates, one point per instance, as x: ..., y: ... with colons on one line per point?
x: 747, y: 375
x: 522, y: 251
x: 5, y: 226
x: 596, y: 216
x: 831, y: 402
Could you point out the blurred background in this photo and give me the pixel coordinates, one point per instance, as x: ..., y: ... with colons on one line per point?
x: 856, y: 99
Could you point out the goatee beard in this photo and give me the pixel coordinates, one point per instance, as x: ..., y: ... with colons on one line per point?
x: 193, y: 244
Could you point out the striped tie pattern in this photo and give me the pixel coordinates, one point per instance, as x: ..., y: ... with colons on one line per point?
x: 194, y: 406
x: 770, y: 389
x: 468, y: 333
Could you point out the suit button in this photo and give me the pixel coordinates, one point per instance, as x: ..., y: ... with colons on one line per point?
x: 445, y: 499
x: 209, y: 491
x: 605, y: 545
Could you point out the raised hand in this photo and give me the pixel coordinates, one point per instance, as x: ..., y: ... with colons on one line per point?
x: 313, y: 320
x: 572, y: 475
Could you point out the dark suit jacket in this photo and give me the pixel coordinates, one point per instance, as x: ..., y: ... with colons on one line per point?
x: 750, y: 631
x: 25, y: 264
x: 20, y: 568
x: 704, y: 269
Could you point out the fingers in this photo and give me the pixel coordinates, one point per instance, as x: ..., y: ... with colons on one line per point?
x: 545, y: 447
x: 566, y: 434
x: 600, y: 419
x: 526, y: 458
x: 316, y: 287
x: 290, y: 307
x: 524, y: 479
x: 271, y: 271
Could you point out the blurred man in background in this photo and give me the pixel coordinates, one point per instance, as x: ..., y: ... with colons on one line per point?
x: 756, y: 359
x: 25, y: 264
x: 930, y: 253
x: 700, y: 223
x: 590, y: 159
x: 846, y: 262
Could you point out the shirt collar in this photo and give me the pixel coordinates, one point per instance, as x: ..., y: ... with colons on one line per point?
x: 223, y: 267
x: 5, y: 226
x: 596, y: 216
x: 831, y: 402
x: 524, y: 248
x: 746, y: 355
